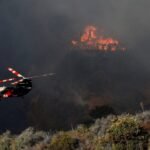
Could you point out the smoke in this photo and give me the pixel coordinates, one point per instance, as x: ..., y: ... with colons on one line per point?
x: 35, y: 38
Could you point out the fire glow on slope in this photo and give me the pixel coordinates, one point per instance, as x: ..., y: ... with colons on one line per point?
x: 90, y: 40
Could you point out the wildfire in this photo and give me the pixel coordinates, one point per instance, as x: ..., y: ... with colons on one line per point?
x: 90, y: 40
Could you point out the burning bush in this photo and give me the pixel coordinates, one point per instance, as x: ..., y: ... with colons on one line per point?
x: 90, y: 40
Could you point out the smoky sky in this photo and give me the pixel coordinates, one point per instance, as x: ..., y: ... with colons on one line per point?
x: 35, y: 38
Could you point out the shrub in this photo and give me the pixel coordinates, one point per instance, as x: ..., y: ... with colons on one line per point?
x: 27, y: 139
x: 63, y: 141
x: 5, y: 141
x: 124, y: 127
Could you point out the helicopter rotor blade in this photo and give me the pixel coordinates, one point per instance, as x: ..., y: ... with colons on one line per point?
x: 40, y: 76
x: 7, y: 80
x: 33, y: 77
x: 15, y: 72
x: 14, y: 83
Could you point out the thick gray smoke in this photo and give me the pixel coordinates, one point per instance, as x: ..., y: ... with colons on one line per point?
x: 35, y: 38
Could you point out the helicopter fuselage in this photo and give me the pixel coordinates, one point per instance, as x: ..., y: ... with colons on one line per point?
x: 19, y: 86
x: 18, y: 90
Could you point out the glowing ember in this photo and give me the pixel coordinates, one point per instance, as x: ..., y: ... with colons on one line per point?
x: 90, y: 40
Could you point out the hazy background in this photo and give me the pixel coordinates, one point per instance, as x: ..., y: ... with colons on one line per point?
x: 35, y: 38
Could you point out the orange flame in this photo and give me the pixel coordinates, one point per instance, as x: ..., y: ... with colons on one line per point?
x: 90, y: 40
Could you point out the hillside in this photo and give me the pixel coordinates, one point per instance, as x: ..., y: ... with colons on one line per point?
x: 131, y: 132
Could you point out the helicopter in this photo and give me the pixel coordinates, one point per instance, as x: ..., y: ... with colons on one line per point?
x: 19, y: 86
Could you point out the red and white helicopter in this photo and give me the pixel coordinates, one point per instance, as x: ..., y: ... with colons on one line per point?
x: 20, y: 85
